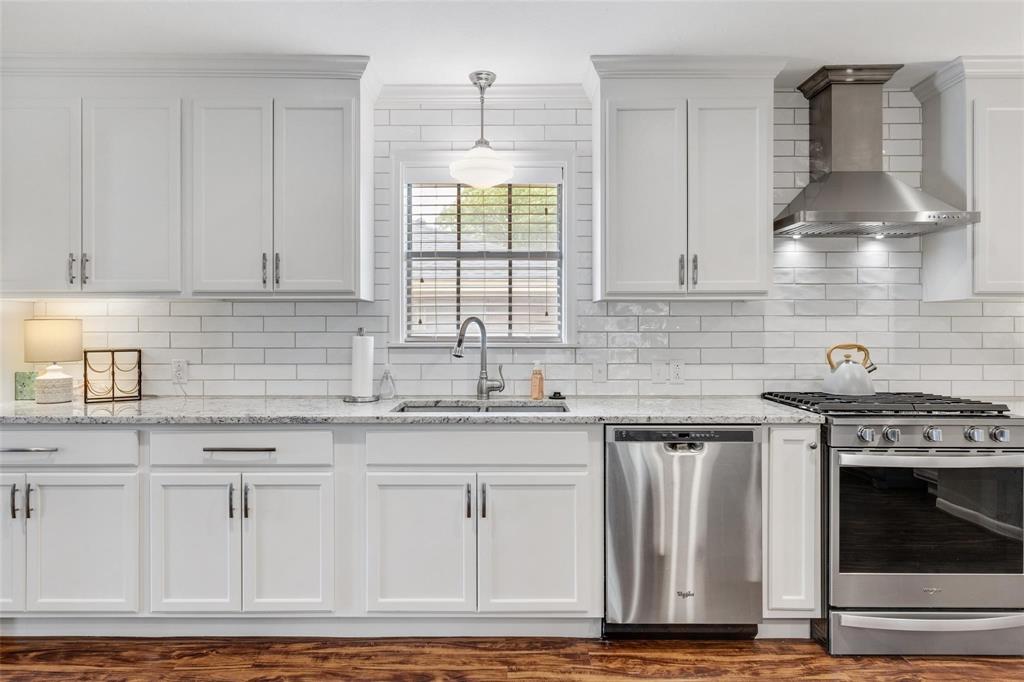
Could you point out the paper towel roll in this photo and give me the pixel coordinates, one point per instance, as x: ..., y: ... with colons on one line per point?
x: 362, y: 366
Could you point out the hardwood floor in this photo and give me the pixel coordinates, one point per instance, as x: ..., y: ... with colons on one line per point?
x: 467, y: 659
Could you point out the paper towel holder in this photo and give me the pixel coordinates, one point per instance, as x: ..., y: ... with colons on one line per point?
x: 356, y: 398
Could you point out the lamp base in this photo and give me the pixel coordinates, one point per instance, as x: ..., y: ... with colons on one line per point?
x: 54, y: 386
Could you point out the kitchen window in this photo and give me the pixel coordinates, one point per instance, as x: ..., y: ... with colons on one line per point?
x: 495, y: 253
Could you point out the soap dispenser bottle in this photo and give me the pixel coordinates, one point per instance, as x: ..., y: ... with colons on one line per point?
x: 537, y: 382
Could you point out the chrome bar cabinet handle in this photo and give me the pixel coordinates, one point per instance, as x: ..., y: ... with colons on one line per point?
x: 694, y: 269
x: 71, y: 268
x: 277, y: 269
x: 682, y: 269
x: 214, y: 449
x: 264, y: 269
x: 29, y: 449
x: 28, y: 501
x: 14, y: 501
x: 469, y: 501
x: 245, y: 501
x: 82, y: 270
x: 483, y: 500
x: 231, y: 500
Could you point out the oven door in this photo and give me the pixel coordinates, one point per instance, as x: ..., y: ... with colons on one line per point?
x: 920, y: 528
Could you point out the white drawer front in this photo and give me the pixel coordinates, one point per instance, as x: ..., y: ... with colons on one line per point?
x: 465, y: 447
x: 241, y: 448
x: 68, y: 447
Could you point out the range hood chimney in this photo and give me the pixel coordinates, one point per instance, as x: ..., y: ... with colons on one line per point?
x: 849, y: 194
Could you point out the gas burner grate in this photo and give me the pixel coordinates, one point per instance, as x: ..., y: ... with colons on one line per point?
x: 885, y: 403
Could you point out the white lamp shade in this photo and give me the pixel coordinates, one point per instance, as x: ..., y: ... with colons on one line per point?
x: 481, y: 167
x: 53, y: 340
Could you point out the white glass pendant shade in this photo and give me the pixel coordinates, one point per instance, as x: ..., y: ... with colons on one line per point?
x: 481, y: 167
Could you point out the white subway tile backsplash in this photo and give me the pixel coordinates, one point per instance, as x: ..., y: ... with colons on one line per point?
x: 826, y: 291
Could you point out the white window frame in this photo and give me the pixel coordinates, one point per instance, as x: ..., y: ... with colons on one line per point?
x: 403, y: 162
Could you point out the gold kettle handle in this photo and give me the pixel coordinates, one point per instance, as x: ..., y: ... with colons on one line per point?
x: 865, y: 361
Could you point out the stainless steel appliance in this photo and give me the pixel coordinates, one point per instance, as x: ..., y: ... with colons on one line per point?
x: 926, y: 523
x: 848, y: 193
x: 683, y: 526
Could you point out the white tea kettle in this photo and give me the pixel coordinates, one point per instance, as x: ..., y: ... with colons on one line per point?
x: 849, y: 377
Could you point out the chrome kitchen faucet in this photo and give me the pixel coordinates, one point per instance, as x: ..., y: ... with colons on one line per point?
x: 484, y: 385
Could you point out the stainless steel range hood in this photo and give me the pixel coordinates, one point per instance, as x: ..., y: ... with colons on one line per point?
x: 849, y: 194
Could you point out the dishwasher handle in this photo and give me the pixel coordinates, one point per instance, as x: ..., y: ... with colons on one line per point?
x: 697, y: 435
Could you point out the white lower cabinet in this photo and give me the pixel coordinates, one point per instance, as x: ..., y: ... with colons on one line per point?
x: 533, y: 548
x: 82, y: 539
x: 12, y: 543
x: 791, y: 479
x: 196, y: 542
x: 421, y: 541
x: 487, y: 542
x: 242, y: 542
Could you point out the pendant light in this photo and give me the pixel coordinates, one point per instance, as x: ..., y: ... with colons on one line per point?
x: 481, y: 166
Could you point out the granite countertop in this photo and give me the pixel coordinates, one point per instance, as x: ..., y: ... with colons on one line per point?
x: 612, y: 410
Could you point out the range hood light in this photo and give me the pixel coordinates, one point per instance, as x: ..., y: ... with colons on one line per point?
x: 879, y: 236
x: 798, y: 236
x: 481, y: 167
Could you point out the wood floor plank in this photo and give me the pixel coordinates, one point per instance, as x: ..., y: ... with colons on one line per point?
x: 471, y: 659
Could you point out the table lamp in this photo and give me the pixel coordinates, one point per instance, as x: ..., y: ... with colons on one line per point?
x: 53, y: 340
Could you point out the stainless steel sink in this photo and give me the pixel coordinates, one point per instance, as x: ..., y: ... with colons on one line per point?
x: 462, y: 406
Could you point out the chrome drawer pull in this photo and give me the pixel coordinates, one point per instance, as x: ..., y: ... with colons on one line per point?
x: 29, y: 449
x: 483, y: 501
x: 239, y: 449
x: 850, y: 620
x: 245, y: 501
x: 28, y: 501
x: 469, y: 501
x: 14, y: 501
x: 231, y: 500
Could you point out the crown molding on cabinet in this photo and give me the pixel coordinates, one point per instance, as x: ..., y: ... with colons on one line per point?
x: 398, y: 95
x: 170, y: 65
x: 968, y: 67
x: 672, y: 66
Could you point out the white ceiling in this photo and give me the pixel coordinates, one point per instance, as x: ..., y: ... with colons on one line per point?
x: 531, y: 41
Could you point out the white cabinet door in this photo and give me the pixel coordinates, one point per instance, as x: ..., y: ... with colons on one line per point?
x: 644, y: 222
x: 83, y: 542
x: 131, y: 223
x: 314, y: 199
x: 195, y: 542
x: 792, y: 523
x: 288, y: 542
x: 729, y: 147
x: 535, y: 551
x: 41, y: 223
x: 12, y: 543
x: 998, y: 183
x: 232, y: 195
x: 421, y: 542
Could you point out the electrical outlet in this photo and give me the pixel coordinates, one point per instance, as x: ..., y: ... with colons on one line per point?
x: 600, y: 372
x: 675, y: 372
x: 179, y: 371
x: 659, y: 372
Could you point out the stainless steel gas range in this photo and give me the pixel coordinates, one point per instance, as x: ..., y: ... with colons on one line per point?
x: 925, y: 514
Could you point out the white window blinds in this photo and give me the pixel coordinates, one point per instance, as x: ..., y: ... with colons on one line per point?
x: 495, y: 253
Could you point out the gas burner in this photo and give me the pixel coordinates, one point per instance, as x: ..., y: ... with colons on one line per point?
x: 886, y: 403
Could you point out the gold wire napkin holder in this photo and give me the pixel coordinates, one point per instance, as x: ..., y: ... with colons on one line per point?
x: 113, y: 375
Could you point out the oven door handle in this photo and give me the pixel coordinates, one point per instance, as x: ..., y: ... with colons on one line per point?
x: 848, y: 459
x: 850, y: 620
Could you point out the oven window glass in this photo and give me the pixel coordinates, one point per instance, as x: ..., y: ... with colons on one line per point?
x: 900, y: 520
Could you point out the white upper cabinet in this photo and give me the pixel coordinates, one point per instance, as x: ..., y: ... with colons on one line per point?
x: 232, y: 195
x: 729, y: 156
x: 314, y: 208
x: 646, y: 201
x: 131, y: 218
x: 683, y: 166
x: 258, y: 169
x: 973, y: 112
x: 41, y: 223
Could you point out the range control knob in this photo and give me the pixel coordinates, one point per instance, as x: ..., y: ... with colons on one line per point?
x: 892, y: 434
x: 1000, y: 434
x: 974, y: 434
x: 866, y: 434
x: 933, y: 434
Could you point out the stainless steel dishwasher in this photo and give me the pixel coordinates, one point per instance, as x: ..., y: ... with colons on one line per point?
x: 682, y: 526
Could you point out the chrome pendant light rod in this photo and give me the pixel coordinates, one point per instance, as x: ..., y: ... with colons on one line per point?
x: 482, y: 80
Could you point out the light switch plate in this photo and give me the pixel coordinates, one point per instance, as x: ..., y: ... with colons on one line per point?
x: 676, y: 371
x: 179, y: 371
